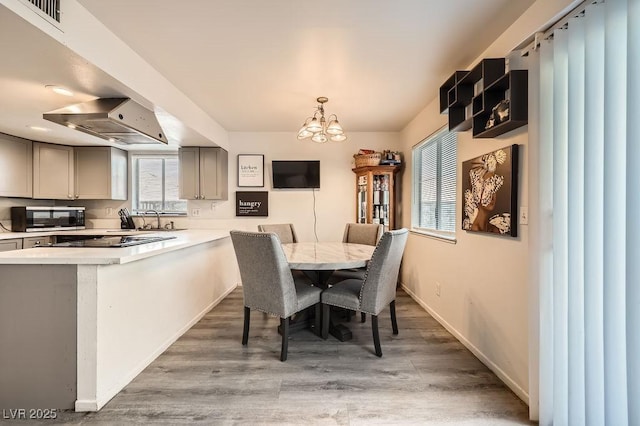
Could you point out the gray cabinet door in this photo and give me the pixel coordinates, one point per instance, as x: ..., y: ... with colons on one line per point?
x: 203, y: 173
x: 16, y: 167
x: 189, y: 166
x: 31, y: 242
x: 213, y: 174
x: 53, y: 171
x: 100, y: 173
x: 8, y: 245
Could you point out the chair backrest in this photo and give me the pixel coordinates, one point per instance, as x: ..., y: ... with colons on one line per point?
x: 285, y: 231
x: 362, y: 233
x: 379, y: 285
x: 267, y: 283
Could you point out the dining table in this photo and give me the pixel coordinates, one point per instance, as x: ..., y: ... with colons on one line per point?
x: 326, y: 257
x: 318, y: 260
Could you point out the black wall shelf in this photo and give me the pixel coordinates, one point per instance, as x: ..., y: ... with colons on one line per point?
x: 448, y: 85
x: 470, y: 96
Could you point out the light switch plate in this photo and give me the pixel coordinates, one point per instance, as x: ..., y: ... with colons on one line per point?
x: 524, y: 215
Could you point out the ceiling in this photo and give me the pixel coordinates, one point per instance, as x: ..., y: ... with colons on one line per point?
x: 256, y: 65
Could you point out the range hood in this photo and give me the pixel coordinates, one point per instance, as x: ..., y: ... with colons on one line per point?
x: 118, y: 120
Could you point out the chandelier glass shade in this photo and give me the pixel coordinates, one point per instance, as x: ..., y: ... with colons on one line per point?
x: 319, y: 129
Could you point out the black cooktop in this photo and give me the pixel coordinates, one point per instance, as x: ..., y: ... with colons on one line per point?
x: 126, y: 241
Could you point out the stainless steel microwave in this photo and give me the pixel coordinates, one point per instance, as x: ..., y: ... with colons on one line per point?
x: 32, y: 219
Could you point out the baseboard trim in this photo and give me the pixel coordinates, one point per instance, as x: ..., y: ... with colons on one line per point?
x: 86, y: 405
x: 522, y: 394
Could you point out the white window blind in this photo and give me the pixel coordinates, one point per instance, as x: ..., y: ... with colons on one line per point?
x: 155, y: 184
x: 434, y: 183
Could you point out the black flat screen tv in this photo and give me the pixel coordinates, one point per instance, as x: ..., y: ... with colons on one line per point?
x: 296, y: 174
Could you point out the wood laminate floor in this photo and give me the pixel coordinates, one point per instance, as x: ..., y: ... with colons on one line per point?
x: 425, y: 377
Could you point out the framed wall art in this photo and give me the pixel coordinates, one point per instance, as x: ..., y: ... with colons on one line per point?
x: 251, y: 170
x: 252, y: 203
x: 490, y: 192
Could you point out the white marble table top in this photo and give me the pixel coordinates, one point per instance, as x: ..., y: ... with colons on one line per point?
x: 327, y: 255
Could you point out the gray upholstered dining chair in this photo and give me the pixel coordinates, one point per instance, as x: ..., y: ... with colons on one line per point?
x: 376, y: 291
x: 285, y: 231
x: 357, y: 233
x: 268, y: 285
x: 362, y: 233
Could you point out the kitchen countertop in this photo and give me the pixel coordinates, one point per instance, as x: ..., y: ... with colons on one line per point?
x: 105, y: 256
x: 112, y: 232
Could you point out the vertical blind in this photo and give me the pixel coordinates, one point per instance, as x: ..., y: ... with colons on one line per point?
x: 590, y: 198
x: 435, y: 182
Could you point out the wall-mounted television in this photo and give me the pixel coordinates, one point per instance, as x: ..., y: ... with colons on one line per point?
x: 296, y: 174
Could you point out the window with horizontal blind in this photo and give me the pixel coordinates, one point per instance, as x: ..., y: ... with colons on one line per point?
x: 434, y: 184
x: 155, y: 184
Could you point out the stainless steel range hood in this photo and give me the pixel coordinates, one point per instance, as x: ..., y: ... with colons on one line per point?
x: 114, y: 119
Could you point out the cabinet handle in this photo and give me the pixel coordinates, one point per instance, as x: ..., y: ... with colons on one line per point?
x: 77, y: 196
x: 69, y: 196
x: 202, y: 197
x: 196, y: 197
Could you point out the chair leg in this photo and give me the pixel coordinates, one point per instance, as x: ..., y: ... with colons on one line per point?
x: 245, y: 332
x: 318, y: 323
x: 284, y: 325
x: 394, y: 322
x: 326, y: 316
x: 363, y: 317
x: 376, y: 336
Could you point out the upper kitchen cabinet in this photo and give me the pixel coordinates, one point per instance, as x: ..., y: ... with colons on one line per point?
x: 53, y: 171
x: 101, y: 173
x: 203, y: 173
x: 16, y: 162
x: 63, y: 172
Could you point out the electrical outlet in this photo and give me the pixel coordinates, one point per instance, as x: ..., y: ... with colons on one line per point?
x: 195, y: 212
x: 213, y: 206
x: 524, y: 215
x: 109, y: 211
x: 437, y: 289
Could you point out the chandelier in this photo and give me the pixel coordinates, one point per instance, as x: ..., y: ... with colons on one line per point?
x: 318, y: 130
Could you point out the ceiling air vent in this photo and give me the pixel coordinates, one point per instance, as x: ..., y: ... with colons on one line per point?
x: 51, y: 8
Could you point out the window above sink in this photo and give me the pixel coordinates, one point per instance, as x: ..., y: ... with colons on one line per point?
x: 155, y: 185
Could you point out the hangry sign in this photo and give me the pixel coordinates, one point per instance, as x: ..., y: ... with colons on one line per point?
x: 252, y: 203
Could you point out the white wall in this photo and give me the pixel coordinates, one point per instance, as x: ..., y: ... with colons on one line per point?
x: 485, y: 295
x: 335, y: 200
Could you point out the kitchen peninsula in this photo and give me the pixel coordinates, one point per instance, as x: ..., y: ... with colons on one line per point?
x: 78, y: 324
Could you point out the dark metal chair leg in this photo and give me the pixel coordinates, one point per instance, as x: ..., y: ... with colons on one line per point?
x: 326, y: 316
x: 318, y: 323
x: 284, y: 325
x: 394, y: 322
x: 376, y: 336
x: 245, y: 332
x: 363, y: 317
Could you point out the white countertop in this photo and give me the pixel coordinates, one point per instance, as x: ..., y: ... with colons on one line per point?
x: 105, y: 256
x: 112, y: 232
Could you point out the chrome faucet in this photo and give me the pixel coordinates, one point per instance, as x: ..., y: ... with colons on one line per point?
x: 157, y: 216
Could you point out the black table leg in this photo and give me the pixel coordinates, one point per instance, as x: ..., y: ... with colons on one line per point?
x: 305, y: 319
